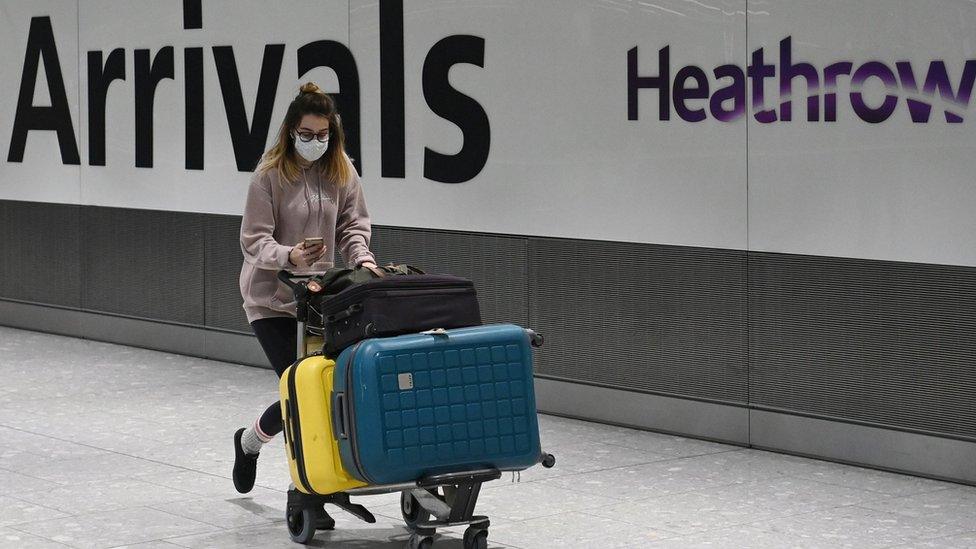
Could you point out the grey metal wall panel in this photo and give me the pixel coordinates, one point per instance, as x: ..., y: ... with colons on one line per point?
x: 854, y: 342
x: 41, y: 318
x: 932, y: 456
x: 144, y: 263
x: 877, y: 342
x: 148, y: 334
x: 498, y: 265
x: 238, y: 348
x: 41, y: 250
x: 720, y: 422
x: 668, y: 320
x: 222, y: 264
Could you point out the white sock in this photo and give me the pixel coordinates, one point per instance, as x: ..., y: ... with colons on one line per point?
x: 253, y: 439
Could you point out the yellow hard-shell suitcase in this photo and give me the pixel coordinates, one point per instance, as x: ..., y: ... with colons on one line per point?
x: 311, y: 446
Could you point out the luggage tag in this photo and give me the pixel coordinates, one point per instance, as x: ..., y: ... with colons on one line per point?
x: 405, y: 381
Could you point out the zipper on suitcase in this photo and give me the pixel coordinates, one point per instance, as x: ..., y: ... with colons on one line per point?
x: 351, y: 416
x: 410, y: 293
x: 357, y: 307
x: 334, y: 302
x: 296, y: 433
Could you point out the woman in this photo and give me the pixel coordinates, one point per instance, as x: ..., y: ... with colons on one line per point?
x: 305, y: 187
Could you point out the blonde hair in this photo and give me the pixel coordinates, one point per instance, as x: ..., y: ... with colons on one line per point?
x: 335, y: 165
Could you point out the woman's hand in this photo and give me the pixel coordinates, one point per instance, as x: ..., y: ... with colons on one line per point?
x: 301, y: 256
x: 368, y: 264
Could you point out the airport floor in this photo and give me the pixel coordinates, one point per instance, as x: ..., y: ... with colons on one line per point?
x: 105, y: 446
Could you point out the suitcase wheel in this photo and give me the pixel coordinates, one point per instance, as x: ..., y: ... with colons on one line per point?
x: 475, y: 538
x: 301, y: 525
x: 411, y: 510
x: 418, y: 541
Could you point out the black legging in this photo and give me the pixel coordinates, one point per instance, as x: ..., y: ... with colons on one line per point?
x: 279, y: 339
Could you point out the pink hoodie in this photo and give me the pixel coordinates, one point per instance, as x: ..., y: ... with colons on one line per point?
x: 277, y: 217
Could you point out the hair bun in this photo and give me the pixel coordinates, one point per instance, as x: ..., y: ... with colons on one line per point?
x: 309, y: 87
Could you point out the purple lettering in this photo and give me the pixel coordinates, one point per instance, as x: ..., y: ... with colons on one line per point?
x: 881, y: 71
x: 635, y: 82
x: 831, y: 72
x: 683, y: 94
x: 787, y: 72
x: 758, y: 72
x: 736, y: 92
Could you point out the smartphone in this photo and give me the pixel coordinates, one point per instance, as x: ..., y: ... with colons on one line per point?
x: 312, y: 242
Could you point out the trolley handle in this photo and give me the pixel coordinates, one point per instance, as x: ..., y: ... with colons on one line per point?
x: 287, y: 277
x: 301, y: 291
x: 308, y: 284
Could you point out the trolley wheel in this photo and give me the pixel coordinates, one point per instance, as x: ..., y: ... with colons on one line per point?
x: 412, y: 511
x: 420, y: 542
x: 301, y: 525
x: 549, y: 461
x: 475, y: 538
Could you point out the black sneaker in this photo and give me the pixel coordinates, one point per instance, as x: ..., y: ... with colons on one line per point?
x: 245, y: 465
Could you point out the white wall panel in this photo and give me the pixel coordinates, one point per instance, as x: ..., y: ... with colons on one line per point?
x: 247, y: 26
x: 565, y: 160
x: 41, y: 176
x: 894, y: 190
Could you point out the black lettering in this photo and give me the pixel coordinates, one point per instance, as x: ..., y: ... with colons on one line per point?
x: 328, y: 53
x: 147, y: 77
x: 193, y: 106
x: 192, y: 14
x: 57, y: 117
x: 248, y: 139
x: 392, y: 125
x: 452, y: 105
x: 99, y: 79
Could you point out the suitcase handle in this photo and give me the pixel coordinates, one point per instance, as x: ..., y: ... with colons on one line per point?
x: 284, y: 423
x: 341, y: 315
x: 339, y: 416
x: 289, y: 429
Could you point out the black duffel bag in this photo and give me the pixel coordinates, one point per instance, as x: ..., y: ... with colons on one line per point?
x: 396, y: 305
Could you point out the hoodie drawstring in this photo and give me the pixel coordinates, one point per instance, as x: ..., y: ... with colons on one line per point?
x: 308, y: 202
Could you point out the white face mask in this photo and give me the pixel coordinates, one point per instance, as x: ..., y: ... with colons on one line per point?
x: 312, y: 150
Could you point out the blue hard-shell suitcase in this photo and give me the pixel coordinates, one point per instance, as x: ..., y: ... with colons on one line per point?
x: 431, y: 403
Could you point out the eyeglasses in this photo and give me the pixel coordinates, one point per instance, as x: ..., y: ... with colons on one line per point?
x: 308, y: 136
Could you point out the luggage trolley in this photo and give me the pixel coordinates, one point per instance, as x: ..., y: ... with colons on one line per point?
x: 435, y: 501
